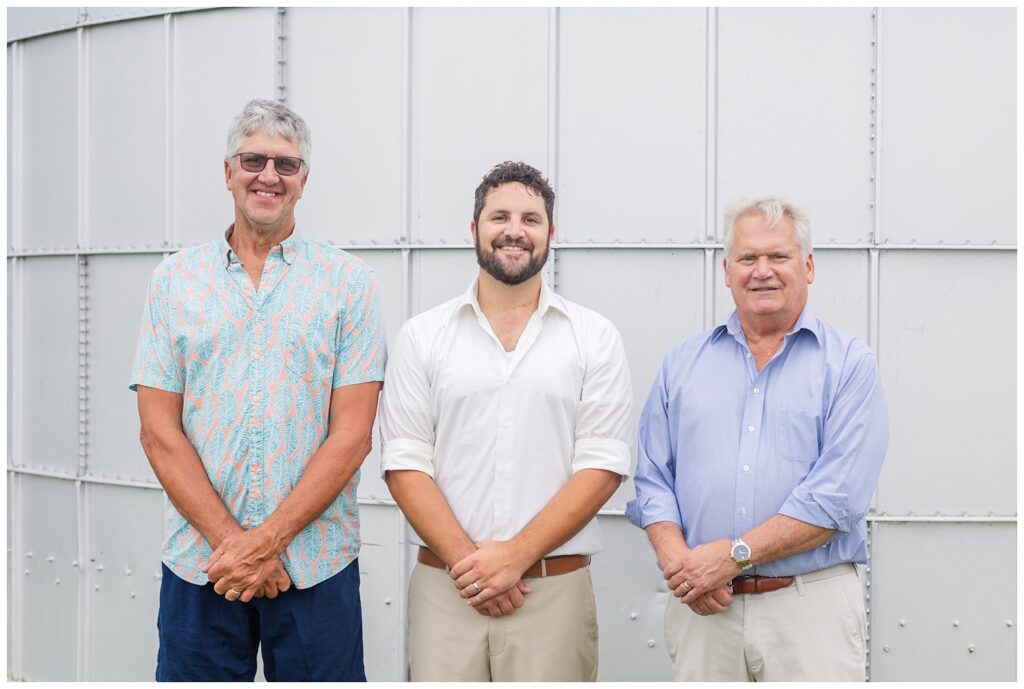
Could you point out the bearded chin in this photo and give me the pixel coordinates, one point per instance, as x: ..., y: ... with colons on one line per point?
x: 497, y: 270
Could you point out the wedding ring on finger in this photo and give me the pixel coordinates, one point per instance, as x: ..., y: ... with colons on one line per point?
x: 687, y: 585
x: 477, y: 587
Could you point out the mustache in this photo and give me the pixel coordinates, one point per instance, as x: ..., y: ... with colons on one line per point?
x: 518, y: 243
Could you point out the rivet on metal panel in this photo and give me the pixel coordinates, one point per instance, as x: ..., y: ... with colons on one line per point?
x: 158, y: 576
x: 127, y: 571
x: 99, y: 568
x: 956, y: 623
x: 132, y: 594
x: 74, y: 563
x: 96, y: 588
x: 27, y: 572
x: 887, y: 648
x: 57, y: 581
x: 50, y: 559
x: 1009, y: 623
x: 650, y: 643
x: 387, y: 601
x: 28, y: 554
x: 903, y: 623
x: 970, y: 648
x: 632, y: 615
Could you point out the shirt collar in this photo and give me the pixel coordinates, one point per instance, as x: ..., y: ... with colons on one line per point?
x: 288, y: 248
x: 548, y: 300
x: 806, y: 321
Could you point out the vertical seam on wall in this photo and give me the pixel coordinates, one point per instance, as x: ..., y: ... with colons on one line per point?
x: 710, y: 159
x: 15, y: 146
x: 279, y: 42
x: 554, y: 127
x: 873, y: 293
x: 405, y: 239
x: 82, y: 106
x: 413, y: 158
x: 170, y: 122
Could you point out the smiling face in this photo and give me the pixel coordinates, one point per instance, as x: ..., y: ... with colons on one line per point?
x: 766, y: 272
x: 513, y: 233
x: 265, y: 201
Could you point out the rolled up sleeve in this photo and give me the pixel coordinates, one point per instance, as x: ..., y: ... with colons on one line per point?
x: 406, y: 425
x: 836, y: 493
x: 604, y: 417
x: 656, y: 466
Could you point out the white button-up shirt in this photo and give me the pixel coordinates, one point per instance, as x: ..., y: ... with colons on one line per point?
x: 502, y: 432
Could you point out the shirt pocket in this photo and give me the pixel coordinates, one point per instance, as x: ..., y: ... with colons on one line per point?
x: 797, y: 432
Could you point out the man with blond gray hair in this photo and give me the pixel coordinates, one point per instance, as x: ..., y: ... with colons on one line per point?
x: 760, y: 446
x: 258, y: 367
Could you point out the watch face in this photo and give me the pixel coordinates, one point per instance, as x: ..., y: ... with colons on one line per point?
x: 741, y: 551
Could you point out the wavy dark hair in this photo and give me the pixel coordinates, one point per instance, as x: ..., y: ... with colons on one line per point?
x: 511, y: 171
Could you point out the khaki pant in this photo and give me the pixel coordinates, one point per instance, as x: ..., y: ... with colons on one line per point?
x: 553, y: 637
x: 813, y: 630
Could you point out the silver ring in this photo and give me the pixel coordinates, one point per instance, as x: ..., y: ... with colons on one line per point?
x: 237, y: 593
x: 477, y: 587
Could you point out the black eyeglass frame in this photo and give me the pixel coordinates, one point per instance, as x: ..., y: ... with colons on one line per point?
x: 262, y: 159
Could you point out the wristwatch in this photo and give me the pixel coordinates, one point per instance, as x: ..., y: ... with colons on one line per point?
x: 740, y: 554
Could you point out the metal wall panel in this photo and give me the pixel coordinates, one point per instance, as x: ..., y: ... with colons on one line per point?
x: 631, y: 598
x: 632, y: 125
x: 383, y: 589
x: 48, y: 576
x: 126, y: 160
x: 934, y: 146
x: 946, y: 350
x: 13, y: 145
x: 926, y: 622
x: 646, y: 282
x: 240, y: 43
x: 480, y: 96
x: 23, y: 21
x: 355, y: 189
x: 116, y: 295
x: 122, y: 590
x: 839, y: 294
x: 794, y: 113
x: 439, y: 275
x: 49, y: 142
x: 49, y: 355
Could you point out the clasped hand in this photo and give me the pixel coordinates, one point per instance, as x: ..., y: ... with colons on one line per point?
x: 701, y: 578
x: 244, y: 566
x: 490, y: 579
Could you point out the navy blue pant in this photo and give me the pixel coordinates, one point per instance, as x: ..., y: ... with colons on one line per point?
x: 313, y: 634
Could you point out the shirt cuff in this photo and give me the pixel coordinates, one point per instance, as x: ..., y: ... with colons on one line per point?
x: 827, y: 510
x: 646, y: 510
x: 601, y: 453
x: 405, y: 453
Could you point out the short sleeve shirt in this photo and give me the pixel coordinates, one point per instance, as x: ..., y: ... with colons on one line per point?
x: 256, y: 368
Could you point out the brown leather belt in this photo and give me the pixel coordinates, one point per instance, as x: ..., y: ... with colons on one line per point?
x: 548, y: 567
x: 759, y: 584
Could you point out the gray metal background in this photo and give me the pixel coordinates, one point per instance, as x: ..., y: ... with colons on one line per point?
x: 896, y: 128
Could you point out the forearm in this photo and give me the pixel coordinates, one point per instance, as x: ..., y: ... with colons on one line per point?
x: 566, y: 513
x: 326, y: 474
x: 668, y: 542
x: 178, y: 467
x: 782, y: 536
x: 429, y: 514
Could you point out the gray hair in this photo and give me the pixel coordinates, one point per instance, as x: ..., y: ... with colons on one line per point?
x: 261, y: 115
x: 772, y: 209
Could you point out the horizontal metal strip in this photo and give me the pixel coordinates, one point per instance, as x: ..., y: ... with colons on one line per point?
x: 113, y: 251
x: 134, y: 13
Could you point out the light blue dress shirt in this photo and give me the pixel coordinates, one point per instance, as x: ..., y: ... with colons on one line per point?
x: 724, y: 447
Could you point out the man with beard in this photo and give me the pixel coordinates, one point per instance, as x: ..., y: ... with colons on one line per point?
x: 505, y: 422
x: 258, y: 370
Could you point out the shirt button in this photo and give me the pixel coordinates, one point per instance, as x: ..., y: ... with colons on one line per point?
x: 748, y: 355
x: 750, y: 428
x: 743, y: 511
x: 746, y: 468
x: 757, y: 390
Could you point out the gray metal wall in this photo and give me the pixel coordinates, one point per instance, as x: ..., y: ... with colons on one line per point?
x: 895, y: 128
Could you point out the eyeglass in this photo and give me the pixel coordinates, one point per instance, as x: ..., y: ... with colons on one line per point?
x: 255, y: 162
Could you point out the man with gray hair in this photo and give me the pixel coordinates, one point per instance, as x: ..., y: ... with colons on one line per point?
x: 760, y: 446
x: 258, y: 367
